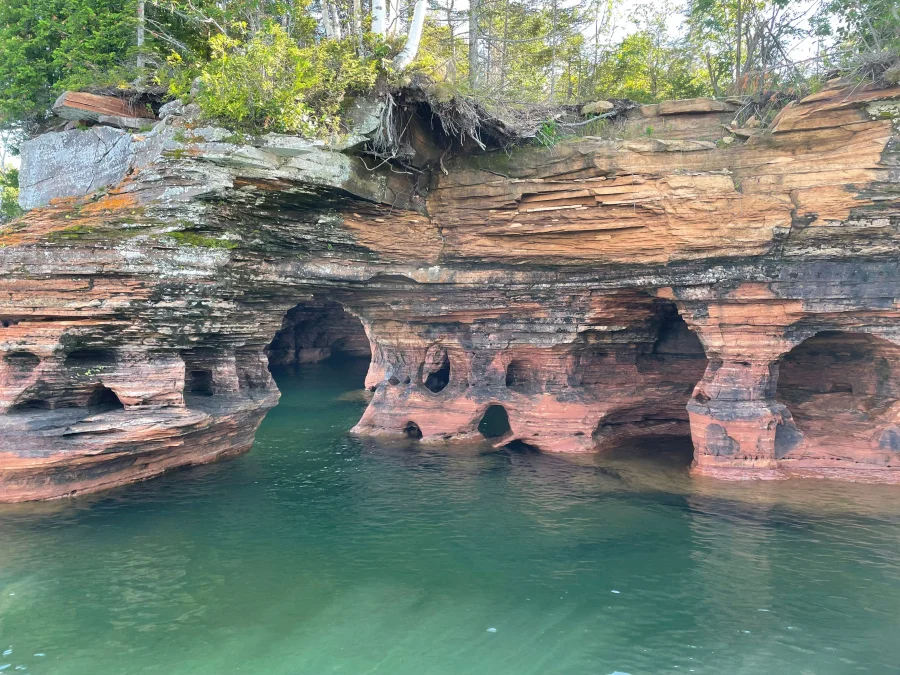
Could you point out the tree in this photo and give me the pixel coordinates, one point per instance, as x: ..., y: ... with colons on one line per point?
x: 49, y: 45
x: 746, y: 43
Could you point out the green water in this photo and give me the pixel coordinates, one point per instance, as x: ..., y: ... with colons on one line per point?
x: 319, y: 553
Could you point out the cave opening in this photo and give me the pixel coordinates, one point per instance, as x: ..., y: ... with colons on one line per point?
x: 662, y: 450
x: 647, y: 384
x: 495, y: 422
x: 32, y: 404
x: 22, y: 362
x: 89, y: 358
x: 521, y: 376
x: 104, y: 397
x: 200, y: 382
x: 438, y: 379
x: 412, y: 430
x: 840, y: 388
x: 318, y: 331
x: 521, y: 448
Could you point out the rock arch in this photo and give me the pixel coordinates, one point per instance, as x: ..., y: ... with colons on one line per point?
x: 318, y: 330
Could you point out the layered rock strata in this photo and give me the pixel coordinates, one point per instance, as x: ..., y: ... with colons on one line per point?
x: 600, y: 289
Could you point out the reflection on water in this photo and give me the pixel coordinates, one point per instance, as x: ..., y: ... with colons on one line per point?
x: 318, y: 552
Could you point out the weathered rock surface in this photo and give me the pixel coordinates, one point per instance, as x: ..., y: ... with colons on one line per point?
x: 110, y: 110
x: 596, y: 290
x: 72, y: 163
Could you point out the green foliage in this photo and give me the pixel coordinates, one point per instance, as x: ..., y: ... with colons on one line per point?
x: 270, y: 65
x: 9, y: 194
x: 47, y: 46
x: 193, y: 239
x: 548, y: 134
x: 862, y: 25
x: 271, y: 83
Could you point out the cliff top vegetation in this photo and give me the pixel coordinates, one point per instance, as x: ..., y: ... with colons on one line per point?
x: 292, y: 65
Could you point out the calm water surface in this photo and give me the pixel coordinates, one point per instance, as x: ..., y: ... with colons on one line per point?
x: 320, y: 553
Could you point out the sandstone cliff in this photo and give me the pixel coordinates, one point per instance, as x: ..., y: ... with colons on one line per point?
x: 659, y: 283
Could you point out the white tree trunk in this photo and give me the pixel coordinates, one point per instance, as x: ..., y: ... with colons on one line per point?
x: 140, y: 34
x: 357, y: 19
x: 326, y: 19
x: 411, y: 48
x: 378, y: 17
x: 336, y: 22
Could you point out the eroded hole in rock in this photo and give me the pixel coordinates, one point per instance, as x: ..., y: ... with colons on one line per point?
x: 104, y: 397
x: 318, y: 330
x: 647, y: 384
x: 840, y: 389
x: 662, y: 451
x: 522, y: 376
x: 199, y: 382
x: 495, y: 422
x: 90, y: 358
x: 32, y: 404
x: 22, y: 361
x: 521, y: 447
x: 412, y: 430
x: 437, y: 379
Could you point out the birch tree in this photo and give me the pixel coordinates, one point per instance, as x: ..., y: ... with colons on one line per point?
x: 408, y: 54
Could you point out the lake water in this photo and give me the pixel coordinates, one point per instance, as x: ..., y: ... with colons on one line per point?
x: 321, y: 553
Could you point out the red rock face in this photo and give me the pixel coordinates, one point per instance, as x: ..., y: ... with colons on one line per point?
x: 573, y: 296
x: 625, y: 366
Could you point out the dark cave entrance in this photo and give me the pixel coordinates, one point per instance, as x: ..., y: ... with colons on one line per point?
x: 654, y: 377
x: 412, y: 430
x: 318, y: 331
x: 438, y: 376
x: 199, y: 381
x: 494, y: 423
x: 840, y: 389
x: 522, y: 376
x: 104, y: 397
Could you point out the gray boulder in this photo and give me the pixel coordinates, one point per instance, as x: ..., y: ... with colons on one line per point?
x: 72, y: 164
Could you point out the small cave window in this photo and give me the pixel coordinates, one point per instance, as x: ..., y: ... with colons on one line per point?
x: 412, y: 430
x: 520, y: 375
x: 32, y: 404
x: 21, y: 361
x: 200, y: 382
x: 87, y: 358
x: 104, y: 397
x: 438, y: 379
x: 495, y: 422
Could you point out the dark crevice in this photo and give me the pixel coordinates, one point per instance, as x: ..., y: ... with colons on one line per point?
x: 22, y: 361
x: 412, y: 430
x: 437, y: 380
x: 32, y: 404
x: 200, y: 382
x: 86, y: 358
x: 104, y: 397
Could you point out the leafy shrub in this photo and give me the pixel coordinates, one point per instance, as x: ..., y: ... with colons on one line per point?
x: 9, y: 193
x: 269, y: 82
